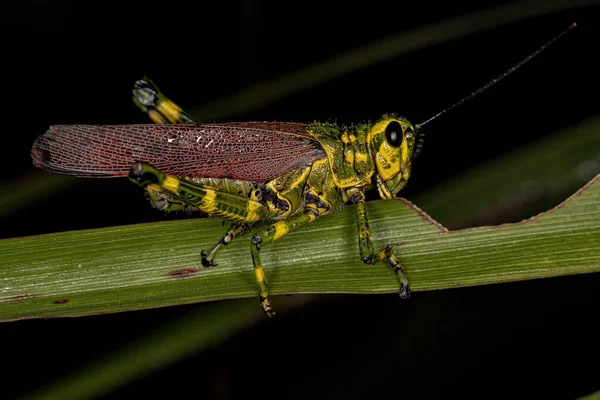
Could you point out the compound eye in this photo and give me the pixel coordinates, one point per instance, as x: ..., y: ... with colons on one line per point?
x: 393, y: 134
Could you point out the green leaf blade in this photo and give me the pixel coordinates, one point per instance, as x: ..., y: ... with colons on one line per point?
x: 158, y: 264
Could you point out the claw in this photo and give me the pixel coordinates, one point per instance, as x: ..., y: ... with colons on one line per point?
x: 205, y: 261
x: 265, y: 304
x: 367, y: 259
x: 404, y: 291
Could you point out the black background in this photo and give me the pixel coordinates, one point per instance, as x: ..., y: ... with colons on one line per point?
x: 523, y: 339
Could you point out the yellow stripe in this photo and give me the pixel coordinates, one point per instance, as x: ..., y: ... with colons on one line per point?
x: 281, y: 229
x: 156, y: 117
x: 260, y: 275
x: 210, y: 201
x: 253, y: 207
x: 171, y: 183
x: 169, y: 110
x: 154, y: 188
x: 252, y: 217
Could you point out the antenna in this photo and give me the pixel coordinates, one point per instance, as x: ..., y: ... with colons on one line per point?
x: 499, y: 77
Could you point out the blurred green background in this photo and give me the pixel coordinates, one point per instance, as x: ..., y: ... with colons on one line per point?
x: 516, y: 150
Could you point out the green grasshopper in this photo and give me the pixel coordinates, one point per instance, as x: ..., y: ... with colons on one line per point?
x: 281, y: 174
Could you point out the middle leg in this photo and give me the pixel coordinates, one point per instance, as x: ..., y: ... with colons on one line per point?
x: 237, y: 229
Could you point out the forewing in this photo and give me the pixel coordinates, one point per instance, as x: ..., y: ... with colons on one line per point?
x: 255, y: 151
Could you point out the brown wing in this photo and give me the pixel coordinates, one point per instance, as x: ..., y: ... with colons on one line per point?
x: 254, y: 151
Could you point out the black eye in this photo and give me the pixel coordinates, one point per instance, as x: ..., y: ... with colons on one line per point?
x: 393, y: 134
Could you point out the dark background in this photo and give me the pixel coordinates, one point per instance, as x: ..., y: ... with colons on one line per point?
x: 521, y: 339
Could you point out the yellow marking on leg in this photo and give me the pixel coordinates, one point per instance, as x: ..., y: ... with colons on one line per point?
x: 156, y: 117
x: 170, y: 110
x: 253, y: 207
x: 260, y: 275
x: 238, y: 216
x: 252, y: 217
x: 281, y: 229
x: 171, y: 184
x: 155, y: 187
x: 209, y: 201
x: 211, y: 205
x: 263, y: 290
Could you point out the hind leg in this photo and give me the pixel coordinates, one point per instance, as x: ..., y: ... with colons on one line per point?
x: 159, y: 108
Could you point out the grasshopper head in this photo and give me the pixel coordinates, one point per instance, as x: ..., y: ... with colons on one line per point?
x: 393, y: 141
